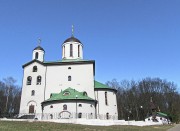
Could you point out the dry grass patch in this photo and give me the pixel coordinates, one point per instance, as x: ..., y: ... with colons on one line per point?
x: 50, y: 126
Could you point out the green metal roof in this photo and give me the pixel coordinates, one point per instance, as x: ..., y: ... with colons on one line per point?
x: 162, y: 114
x: 67, y: 60
x: 69, y: 94
x: 100, y: 85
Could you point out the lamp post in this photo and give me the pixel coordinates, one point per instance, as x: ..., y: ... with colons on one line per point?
x: 76, y: 105
x: 142, y: 113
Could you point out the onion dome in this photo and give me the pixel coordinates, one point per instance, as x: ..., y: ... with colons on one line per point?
x: 72, y: 39
x: 39, y: 48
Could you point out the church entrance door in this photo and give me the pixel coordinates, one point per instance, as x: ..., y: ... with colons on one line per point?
x: 31, y: 109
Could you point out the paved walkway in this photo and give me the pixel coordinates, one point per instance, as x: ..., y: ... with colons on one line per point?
x: 176, y: 128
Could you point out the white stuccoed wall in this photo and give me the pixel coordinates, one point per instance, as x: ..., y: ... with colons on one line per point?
x: 55, y: 79
x: 71, y: 107
x: 82, y: 79
x: 26, y: 98
x: 102, y: 108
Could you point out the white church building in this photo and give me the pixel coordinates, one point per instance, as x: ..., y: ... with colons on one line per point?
x: 65, y: 89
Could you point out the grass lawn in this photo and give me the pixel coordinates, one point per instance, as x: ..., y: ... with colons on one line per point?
x: 47, y: 126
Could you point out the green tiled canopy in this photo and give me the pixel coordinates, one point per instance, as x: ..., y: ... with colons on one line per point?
x: 69, y: 94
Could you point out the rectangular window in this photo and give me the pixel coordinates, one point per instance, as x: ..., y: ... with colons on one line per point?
x: 78, y: 50
x: 71, y: 50
x: 106, y: 102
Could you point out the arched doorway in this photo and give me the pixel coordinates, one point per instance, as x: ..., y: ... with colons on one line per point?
x: 64, y: 115
x: 31, y: 109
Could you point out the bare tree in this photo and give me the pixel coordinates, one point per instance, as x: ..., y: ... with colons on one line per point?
x: 134, y: 98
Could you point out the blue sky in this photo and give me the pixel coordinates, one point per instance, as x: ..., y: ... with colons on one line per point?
x: 129, y: 39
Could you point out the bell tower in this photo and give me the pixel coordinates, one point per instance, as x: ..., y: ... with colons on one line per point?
x: 72, y: 48
x: 38, y: 52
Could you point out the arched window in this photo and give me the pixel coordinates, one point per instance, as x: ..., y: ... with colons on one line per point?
x: 78, y: 50
x: 71, y: 50
x: 107, y: 116
x: 91, y: 116
x: 69, y: 68
x: 34, y: 68
x: 79, y: 115
x: 51, y: 116
x: 36, y: 55
x: 69, y: 78
x: 51, y: 106
x: 29, y: 79
x: 106, y: 101
x: 38, y: 80
x: 32, y: 93
x: 65, y: 107
x: 84, y: 93
x: 80, y: 105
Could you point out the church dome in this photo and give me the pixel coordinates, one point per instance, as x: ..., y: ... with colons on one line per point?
x: 39, y: 48
x: 72, y: 39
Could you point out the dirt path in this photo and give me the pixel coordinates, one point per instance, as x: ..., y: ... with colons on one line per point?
x: 176, y: 128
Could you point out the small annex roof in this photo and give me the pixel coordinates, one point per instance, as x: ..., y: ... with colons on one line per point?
x: 162, y: 114
x: 100, y: 86
x: 69, y: 94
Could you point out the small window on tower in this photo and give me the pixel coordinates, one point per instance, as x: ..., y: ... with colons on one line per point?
x: 32, y: 93
x: 29, y: 79
x: 38, y: 80
x: 69, y: 78
x: 69, y: 68
x: 35, y: 69
x: 71, y: 50
x: 78, y: 50
x: 36, y: 55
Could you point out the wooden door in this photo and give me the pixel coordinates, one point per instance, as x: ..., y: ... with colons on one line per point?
x: 31, y: 109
